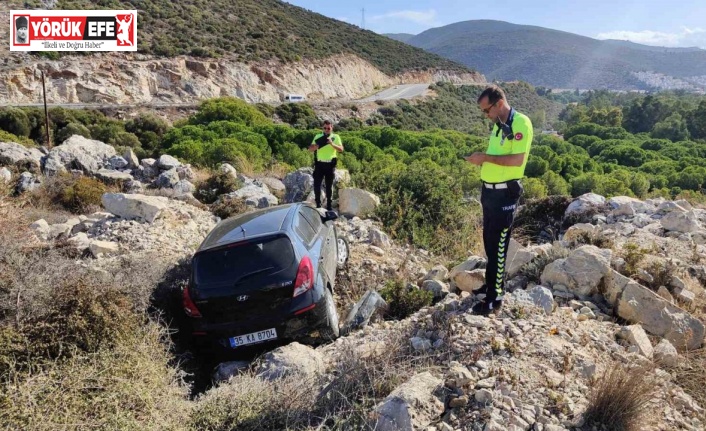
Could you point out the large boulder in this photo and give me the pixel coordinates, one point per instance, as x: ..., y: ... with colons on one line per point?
x: 412, y: 406
x: 684, y: 222
x: 298, y: 185
x: 585, y: 203
x: 113, y: 176
x: 628, y: 206
x: 135, y: 206
x: 13, y: 154
x: 77, y: 152
x: 255, y: 195
x: 581, y: 271
x: 357, y: 202
x: 517, y: 257
x: 638, y: 304
x: 167, y: 162
x: 291, y: 360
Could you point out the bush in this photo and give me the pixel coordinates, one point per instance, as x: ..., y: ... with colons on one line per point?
x: 621, y: 399
x: 15, y: 121
x: 540, y: 220
x: 9, y: 137
x: 402, y: 300
x: 83, y: 196
x: 219, y: 184
x: 228, y: 207
x: 69, y: 130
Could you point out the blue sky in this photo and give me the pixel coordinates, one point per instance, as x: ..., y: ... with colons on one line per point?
x: 651, y: 22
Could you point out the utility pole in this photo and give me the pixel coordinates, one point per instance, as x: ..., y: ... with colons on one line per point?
x: 46, y: 112
x: 362, y: 24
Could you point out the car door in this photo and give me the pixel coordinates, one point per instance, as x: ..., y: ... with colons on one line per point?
x: 323, y: 240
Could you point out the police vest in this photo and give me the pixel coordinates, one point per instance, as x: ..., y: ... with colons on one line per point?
x: 326, y: 152
x: 514, y: 137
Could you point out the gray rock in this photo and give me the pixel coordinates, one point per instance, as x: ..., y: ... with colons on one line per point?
x: 412, y: 406
x: 167, y: 179
x: 117, y: 162
x: 255, y: 195
x: 298, y: 185
x: 99, y: 248
x: 379, y: 238
x: 41, y: 229
x: 167, y: 162
x: 227, y: 168
x: 438, y: 272
x: 112, y: 176
x: 637, y: 337
x: 14, y: 154
x: 77, y: 152
x: 584, y: 203
x: 666, y: 354
x: 684, y: 222
x: 582, y: 271
x: 5, y: 175
x: 542, y: 298
x: 135, y: 206
x: 184, y: 187
x: 26, y: 182
x: 225, y: 370
x: 438, y: 288
x: 132, y: 161
x: 293, y: 359
x: 356, y: 202
x: 370, y: 303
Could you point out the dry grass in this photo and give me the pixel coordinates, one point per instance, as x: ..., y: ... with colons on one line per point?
x: 620, y: 399
x: 76, y: 349
x: 130, y: 386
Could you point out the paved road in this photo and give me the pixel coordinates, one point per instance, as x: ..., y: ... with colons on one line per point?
x: 402, y: 91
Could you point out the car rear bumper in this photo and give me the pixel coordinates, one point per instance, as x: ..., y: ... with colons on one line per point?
x: 309, y: 314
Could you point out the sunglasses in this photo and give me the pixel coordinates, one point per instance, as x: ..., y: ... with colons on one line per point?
x: 486, y: 111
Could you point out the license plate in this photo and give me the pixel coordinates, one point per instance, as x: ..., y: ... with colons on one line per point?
x: 252, y: 338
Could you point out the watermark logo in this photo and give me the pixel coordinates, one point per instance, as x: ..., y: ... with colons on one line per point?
x: 73, y: 30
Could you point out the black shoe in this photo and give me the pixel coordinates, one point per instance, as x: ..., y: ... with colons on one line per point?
x: 483, y: 290
x: 485, y: 308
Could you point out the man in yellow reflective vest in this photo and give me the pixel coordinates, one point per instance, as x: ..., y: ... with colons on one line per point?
x: 326, y: 147
x: 502, y: 168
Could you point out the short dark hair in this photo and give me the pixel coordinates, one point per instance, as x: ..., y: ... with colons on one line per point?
x: 493, y: 93
x: 327, y: 123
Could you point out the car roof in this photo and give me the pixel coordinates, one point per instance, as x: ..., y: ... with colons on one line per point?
x: 252, y: 224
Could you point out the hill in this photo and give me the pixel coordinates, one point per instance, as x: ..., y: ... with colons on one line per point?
x: 552, y: 58
x: 259, y: 30
x: 401, y: 37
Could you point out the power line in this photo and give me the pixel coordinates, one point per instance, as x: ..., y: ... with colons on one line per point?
x: 362, y: 24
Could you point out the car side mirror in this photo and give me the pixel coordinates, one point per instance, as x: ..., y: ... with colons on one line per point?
x: 330, y: 215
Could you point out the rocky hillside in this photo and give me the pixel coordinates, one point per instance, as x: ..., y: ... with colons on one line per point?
x: 255, y: 50
x: 609, y: 313
x: 113, y: 79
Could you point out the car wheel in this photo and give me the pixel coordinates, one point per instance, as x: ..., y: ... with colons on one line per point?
x: 342, y: 252
x: 330, y: 330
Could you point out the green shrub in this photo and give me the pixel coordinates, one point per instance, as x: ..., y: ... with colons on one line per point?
x: 403, y: 301
x: 69, y: 130
x: 216, y: 185
x: 83, y: 195
x: 9, y: 137
x: 15, y: 121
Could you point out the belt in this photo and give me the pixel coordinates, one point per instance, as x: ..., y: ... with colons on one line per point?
x: 326, y: 161
x: 497, y: 185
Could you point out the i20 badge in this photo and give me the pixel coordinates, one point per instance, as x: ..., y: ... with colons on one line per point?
x: 242, y: 298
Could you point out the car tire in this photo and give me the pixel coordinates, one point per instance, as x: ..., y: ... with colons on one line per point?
x: 342, y: 252
x: 329, y: 331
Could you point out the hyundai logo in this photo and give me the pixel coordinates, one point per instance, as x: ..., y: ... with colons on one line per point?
x: 242, y: 298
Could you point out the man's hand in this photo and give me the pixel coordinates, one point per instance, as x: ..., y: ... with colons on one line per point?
x: 476, y: 158
x: 313, y: 147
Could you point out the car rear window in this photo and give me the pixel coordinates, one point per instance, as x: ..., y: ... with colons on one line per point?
x: 243, y: 261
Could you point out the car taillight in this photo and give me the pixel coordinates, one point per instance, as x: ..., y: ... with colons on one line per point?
x: 305, y: 277
x: 189, y: 306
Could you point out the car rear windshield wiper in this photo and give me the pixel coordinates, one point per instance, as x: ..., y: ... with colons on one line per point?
x: 250, y: 274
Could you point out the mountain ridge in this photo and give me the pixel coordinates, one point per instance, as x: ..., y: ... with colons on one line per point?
x: 555, y: 58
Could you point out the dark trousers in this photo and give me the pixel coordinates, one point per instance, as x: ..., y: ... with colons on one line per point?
x: 324, y: 171
x: 498, y: 213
